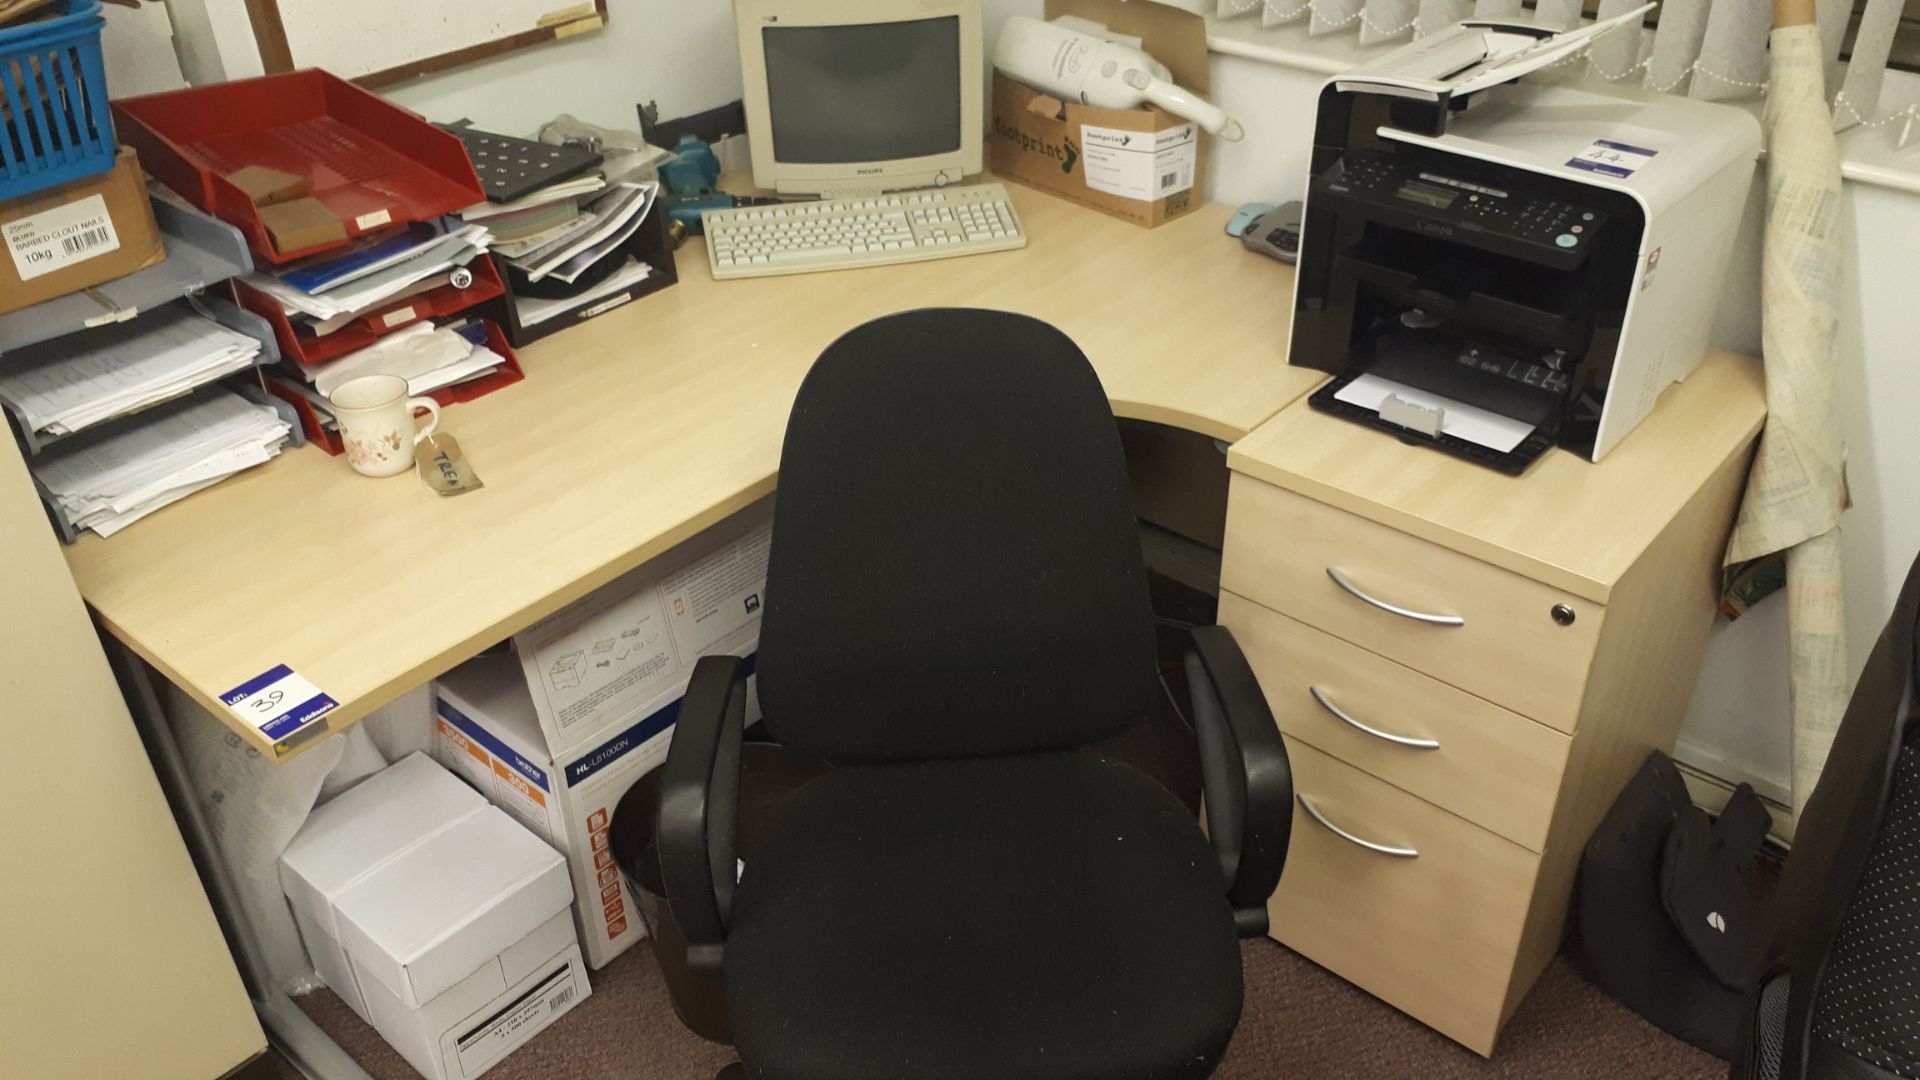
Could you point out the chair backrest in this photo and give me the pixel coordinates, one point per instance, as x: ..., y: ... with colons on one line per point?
x: 1843, y: 912
x: 956, y: 569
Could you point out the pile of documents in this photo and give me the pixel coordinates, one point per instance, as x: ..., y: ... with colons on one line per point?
x: 429, y: 357
x: 106, y: 480
x: 329, y: 291
x: 594, y: 230
x: 71, y: 383
x: 565, y: 245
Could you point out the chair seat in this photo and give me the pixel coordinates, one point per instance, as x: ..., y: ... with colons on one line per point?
x: 1034, y: 916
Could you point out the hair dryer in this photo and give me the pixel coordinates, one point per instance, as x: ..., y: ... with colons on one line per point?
x: 1068, y: 64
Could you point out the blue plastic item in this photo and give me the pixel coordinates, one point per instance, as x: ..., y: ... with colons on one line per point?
x: 55, y: 125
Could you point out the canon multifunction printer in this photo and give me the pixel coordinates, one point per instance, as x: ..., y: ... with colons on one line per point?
x: 1493, y: 267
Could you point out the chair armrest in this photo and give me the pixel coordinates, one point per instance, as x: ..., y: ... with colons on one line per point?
x: 1244, y: 773
x: 699, y: 799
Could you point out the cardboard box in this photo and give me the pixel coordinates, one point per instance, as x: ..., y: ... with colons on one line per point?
x: 77, y: 235
x: 487, y: 732
x: 302, y: 223
x: 1140, y: 165
x: 562, y: 773
x: 265, y: 186
x: 349, y: 837
x: 436, y: 916
x: 605, y: 661
x: 436, y: 913
x: 490, y: 1013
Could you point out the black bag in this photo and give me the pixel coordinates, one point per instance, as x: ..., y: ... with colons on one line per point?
x: 1669, y: 902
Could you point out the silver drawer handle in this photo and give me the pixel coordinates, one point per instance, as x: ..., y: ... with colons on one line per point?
x: 1354, y: 591
x: 1326, y: 703
x: 1384, y: 849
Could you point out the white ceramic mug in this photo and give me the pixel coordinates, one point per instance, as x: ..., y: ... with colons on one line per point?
x: 376, y: 423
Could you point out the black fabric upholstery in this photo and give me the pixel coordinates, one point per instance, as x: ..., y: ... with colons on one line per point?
x: 1771, y: 1027
x: 1841, y: 842
x: 955, y: 568
x: 1869, y: 1001
x: 1014, y: 918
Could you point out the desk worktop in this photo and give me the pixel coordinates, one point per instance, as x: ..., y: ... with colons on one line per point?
x: 632, y: 433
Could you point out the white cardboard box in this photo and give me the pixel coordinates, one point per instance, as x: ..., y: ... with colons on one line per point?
x: 490, y: 1013
x: 442, y: 921
x: 427, y: 919
x: 348, y: 837
x: 558, y: 735
x: 621, y: 653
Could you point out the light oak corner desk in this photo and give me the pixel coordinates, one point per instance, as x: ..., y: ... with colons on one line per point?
x: 630, y: 434
x: 1582, y: 592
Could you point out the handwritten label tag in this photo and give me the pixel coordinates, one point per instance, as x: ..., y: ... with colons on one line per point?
x: 278, y: 702
x: 444, y: 467
x: 1615, y: 159
x: 395, y: 318
x: 373, y: 220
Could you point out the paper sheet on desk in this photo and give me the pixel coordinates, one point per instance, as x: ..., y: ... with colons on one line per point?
x: 1458, y: 419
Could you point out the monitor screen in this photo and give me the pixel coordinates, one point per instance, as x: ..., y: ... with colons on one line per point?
x: 878, y: 92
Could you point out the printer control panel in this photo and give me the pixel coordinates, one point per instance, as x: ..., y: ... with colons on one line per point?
x: 1527, y: 224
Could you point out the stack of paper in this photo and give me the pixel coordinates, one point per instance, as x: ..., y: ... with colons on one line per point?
x: 429, y: 357
x: 602, y: 228
x: 74, y: 382
x: 108, y: 479
x: 330, y: 290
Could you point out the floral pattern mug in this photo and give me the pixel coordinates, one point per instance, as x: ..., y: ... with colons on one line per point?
x: 376, y: 423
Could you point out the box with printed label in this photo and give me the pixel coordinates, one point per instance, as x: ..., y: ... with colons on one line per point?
x: 1141, y: 165
x: 486, y: 731
x: 76, y: 235
x: 556, y: 734
x: 481, y: 1019
x: 436, y: 916
x: 607, y: 660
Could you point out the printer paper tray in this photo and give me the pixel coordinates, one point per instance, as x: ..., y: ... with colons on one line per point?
x: 1512, y: 462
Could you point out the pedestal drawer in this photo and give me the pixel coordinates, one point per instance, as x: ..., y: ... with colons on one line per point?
x: 1475, y: 626
x: 1431, y: 924
x: 1491, y: 766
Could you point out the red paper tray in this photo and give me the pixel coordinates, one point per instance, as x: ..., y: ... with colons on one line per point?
x: 304, y: 348
x: 371, y: 162
x: 319, y: 436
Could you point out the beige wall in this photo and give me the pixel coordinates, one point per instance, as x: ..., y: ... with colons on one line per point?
x: 111, y: 964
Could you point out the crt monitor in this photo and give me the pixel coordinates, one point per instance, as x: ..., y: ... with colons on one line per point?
x: 854, y: 97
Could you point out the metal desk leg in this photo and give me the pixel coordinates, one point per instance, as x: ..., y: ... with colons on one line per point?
x: 291, y: 1031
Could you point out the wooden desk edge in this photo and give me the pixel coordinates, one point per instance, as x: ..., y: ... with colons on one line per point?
x: 354, y: 710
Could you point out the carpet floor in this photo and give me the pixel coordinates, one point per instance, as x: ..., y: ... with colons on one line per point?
x: 1299, y: 1022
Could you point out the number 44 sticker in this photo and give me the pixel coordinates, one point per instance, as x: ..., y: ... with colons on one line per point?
x: 278, y: 702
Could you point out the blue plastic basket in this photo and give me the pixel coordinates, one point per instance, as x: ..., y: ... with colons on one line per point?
x: 55, y: 125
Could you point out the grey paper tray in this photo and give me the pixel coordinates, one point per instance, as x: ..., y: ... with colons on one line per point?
x: 247, y: 386
x: 201, y: 251
x: 219, y: 308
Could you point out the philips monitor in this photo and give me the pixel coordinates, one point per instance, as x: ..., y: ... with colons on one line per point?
x: 855, y: 97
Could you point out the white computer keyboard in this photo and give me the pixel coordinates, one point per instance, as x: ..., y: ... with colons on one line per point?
x: 841, y: 234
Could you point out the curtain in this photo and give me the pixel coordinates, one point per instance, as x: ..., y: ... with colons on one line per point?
x: 1711, y: 49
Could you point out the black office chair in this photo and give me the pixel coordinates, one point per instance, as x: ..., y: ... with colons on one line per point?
x: 1839, y: 992
x: 956, y: 601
